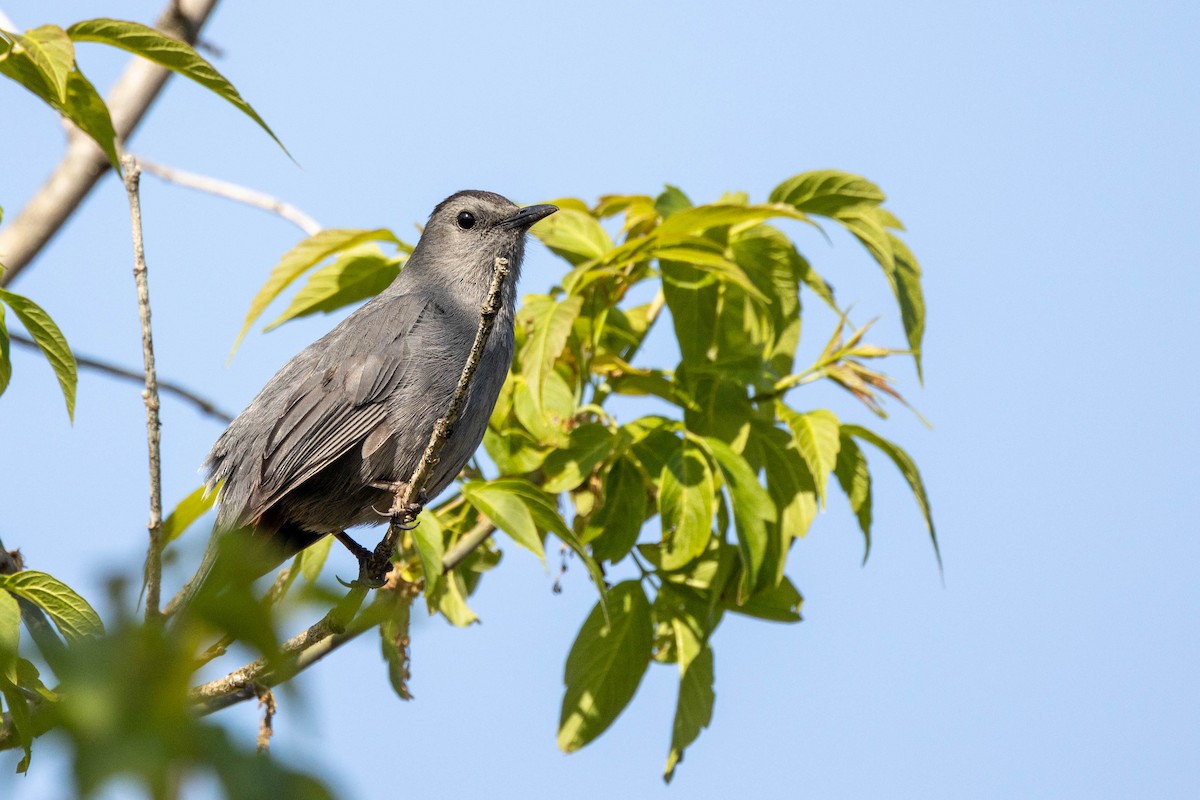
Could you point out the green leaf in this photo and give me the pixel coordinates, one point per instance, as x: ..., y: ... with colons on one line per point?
x: 614, y: 529
x: 605, y: 665
x: 693, y: 710
x: 51, y: 51
x: 167, y: 52
x: 716, y: 215
x: 49, y: 338
x: 816, y: 437
x: 792, y: 491
x: 573, y: 234
x: 499, y: 502
x: 83, y: 104
x: 908, y: 469
x: 855, y: 479
x: 356, y: 275
x: 827, y: 192
x: 671, y: 201
x: 867, y: 225
x: 430, y: 540
x: 906, y: 285
x: 306, y: 254
x: 545, y: 345
x: 313, y: 558
x: 686, y: 505
x: 394, y: 641
x: 587, y: 446
x: 778, y: 604
x: 10, y: 635
x: 5, y: 358
x: 546, y: 422
x: 75, y: 618
x: 449, y: 598
x: 513, y: 451
x: 190, y: 509
x: 753, y: 511
x: 711, y: 262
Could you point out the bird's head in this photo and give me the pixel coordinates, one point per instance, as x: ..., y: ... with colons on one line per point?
x: 469, y: 229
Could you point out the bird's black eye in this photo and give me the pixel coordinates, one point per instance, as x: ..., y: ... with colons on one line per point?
x: 466, y: 220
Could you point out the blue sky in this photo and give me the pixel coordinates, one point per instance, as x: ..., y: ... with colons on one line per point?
x: 1043, y: 157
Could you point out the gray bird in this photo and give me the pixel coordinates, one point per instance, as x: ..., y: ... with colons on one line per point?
x: 321, y: 446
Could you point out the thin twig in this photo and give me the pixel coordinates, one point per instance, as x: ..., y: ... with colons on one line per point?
x: 84, y: 163
x: 377, y: 565
x: 232, y: 191
x: 202, y: 404
x: 466, y: 544
x: 150, y: 395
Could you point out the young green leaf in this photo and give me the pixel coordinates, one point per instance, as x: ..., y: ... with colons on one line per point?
x: 312, y: 558
x: 303, y: 256
x: 855, y: 479
x: 82, y: 106
x: 816, y: 437
x: 168, y: 52
x: 190, y: 509
x: 693, y: 710
x: 449, y: 598
x: 779, y: 604
x: 508, y: 510
x: 573, y: 234
x: 5, y: 362
x: 546, y: 343
x: 546, y: 418
x: 671, y: 201
x: 355, y: 275
x: 605, y: 665
x: 50, y: 340
x: 753, y: 511
x: 908, y: 469
x: 394, y: 640
x: 686, y: 505
x: 827, y: 192
x: 906, y: 285
x: 430, y: 540
x: 587, y: 446
x: 614, y: 529
x: 51, y: 51
x: 75, y: 618
x: 10, y: 635
x: 792, y: 491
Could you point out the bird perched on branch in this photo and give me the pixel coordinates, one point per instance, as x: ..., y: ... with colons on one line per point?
x: 327, y: 441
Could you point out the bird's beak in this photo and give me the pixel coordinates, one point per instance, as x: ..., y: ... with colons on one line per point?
x: 528, y: 215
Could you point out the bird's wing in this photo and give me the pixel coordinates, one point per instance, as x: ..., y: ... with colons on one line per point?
x: 341, y: 402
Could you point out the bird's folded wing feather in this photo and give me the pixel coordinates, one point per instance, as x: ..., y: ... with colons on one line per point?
x: 337, y: 406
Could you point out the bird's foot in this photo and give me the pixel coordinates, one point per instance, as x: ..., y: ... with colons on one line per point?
x: 368, y: 571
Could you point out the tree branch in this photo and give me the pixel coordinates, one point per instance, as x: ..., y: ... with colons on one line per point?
x: 133, y: 176
x: 202, y: 404
x: 232, y: 191
x: 377, y: 565
x: 84, y: 163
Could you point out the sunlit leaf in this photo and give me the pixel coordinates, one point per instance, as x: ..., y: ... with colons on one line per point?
x: 10, y: 635
x: 168, y: 52
x: 779, y: 604
x: 816, y: 437
x: 303, y: 256
x: 605, y: 665
x: 671, y: 201
x: 355, y: 275
x: 50, y: 340
x: 614, y: 529
x: 189, y: 509
x: 908, y: 469
x: 573, y: 234
x: 5, y: 357
x: 753, y: 511
x: 75, y: 618
x: 587, y: 446
x: 826, y: 192
x: 546, y: 343
x: 508, y: 510
x: 686, y: 505
x: 51, y: 51
x: 313, y: 558
x: 855, y: 479
x: 693, y: 709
